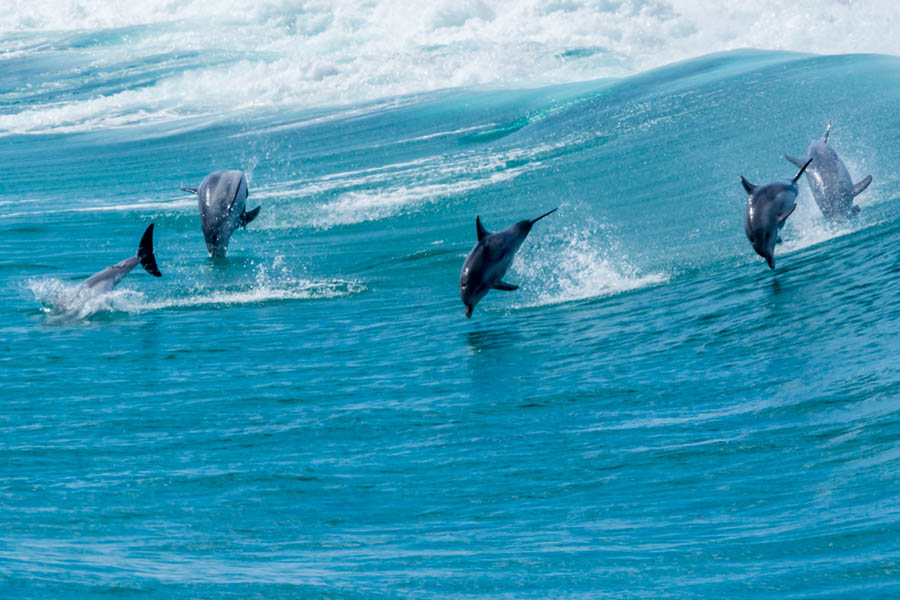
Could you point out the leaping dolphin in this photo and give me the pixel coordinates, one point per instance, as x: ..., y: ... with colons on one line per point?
x: 489, y: 260
x: 222, y: 197
x: 768, y: 207
x: 829, y: 180
x: 107, y: 279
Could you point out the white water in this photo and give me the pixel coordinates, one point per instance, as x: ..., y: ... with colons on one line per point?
x: 293, y: 53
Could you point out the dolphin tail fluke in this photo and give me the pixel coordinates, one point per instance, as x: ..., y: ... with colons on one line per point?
x: 798, y: 162
x: 248, y: 215
x: 190, y: 190
x: 533, y: 221
x: 827, y: 131
x: 800, y: 172
x: 506, y: 287
x: 145, y: 253
x: 860, y: 187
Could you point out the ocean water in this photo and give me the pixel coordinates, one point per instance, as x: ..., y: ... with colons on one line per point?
x: 654, y: 413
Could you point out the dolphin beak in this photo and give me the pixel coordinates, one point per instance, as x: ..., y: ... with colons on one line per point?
x: 771, y: 260
x: 469, y: 310
x: 533, y: 221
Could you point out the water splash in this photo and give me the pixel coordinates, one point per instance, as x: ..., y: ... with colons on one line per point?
x: 578, y: 262
x: 67, y: 302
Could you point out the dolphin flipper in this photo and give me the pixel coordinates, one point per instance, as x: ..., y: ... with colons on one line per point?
x: 783, y: 216
x: 506, y: 287
x: 190, y: 190
x: 862, y: 185
x: 798, y: 162
x: 248, y: 215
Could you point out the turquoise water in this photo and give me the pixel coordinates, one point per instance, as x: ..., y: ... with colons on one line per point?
x: 654, y: 413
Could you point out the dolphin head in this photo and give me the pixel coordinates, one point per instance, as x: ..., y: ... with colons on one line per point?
x: 221, y: 197
x: 521, y: 229
x: 472, y: 287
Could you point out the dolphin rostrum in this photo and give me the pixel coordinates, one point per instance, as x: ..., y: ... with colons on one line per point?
x: 489, y: 260
x: 222, y: 197
x: 107, y: 279
x: 768, y: 207
x: 830, y: 181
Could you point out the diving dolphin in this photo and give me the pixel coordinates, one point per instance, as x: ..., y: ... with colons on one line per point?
x: 107, y: 279
x: 768, y: 207
x: 830, y: 181
x: 489, y: 260
x: 222, y: 196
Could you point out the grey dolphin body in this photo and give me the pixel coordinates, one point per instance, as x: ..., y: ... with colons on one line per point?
x: 489, y: 260
x: 768, y: 207
x: 107, y: 279
x: 829, y: 180
x: 222, y: 197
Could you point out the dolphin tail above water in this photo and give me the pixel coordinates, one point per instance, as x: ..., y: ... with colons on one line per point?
x: 145, y: 253
x: 107, y: 279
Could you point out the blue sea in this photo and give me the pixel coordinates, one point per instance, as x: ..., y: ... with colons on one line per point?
x: 654, y: 413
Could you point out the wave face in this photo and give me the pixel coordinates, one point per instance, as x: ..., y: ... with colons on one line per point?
x: 653, y: 409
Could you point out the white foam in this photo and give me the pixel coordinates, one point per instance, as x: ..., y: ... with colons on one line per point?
x: 152, y: 206
x: 66, y: 302
x: 577, y: 262
x: 298, y: 53
x: 807, y: 227
x: 373, y: 205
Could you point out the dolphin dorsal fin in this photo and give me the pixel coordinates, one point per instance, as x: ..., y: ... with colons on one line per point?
x: 747, y: 185
x: 827, y: 131
x: 479, y: 228
x: 800, y: 172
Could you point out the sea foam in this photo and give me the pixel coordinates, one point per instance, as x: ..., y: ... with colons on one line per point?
x: 288, y: 53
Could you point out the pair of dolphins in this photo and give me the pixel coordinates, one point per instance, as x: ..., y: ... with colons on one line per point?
x: 769, y: 206
x: 222, y: 197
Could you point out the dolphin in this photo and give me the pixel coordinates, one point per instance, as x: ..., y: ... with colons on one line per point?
x: 830, y: 181
x: 107, y: 279
x: 222, y: 196
x: 489, y: 260
x: 768, y: 207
